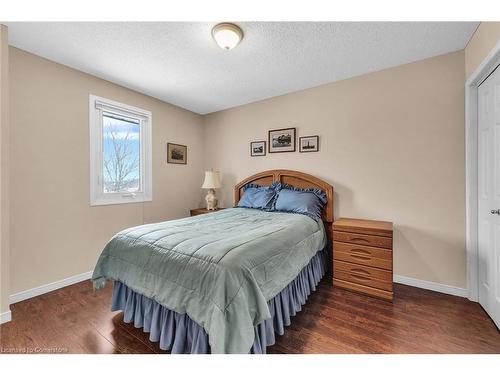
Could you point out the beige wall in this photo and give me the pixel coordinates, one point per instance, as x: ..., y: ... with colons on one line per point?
x: 392, y: 146
x: 4, y: 170
x: 482, y: 42
x: 55, y: 233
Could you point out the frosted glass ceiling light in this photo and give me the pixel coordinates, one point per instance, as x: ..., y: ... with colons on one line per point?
x: 227, y: 35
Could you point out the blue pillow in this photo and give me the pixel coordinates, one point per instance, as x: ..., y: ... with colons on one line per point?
x: 255, y: 196
x: 308, y: 202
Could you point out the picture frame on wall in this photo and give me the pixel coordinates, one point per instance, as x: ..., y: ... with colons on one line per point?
x: 258, y: 148
x: 176, y: 154
x: 309, y: 143
x: 282, y: 140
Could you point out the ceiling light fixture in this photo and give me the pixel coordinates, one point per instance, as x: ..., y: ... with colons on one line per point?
x: 227, y: 35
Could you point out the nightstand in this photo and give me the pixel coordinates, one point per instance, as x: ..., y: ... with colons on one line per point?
x: 201, y: 211
x: 362, y: 256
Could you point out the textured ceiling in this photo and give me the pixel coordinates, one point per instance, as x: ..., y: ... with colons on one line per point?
x: 178, y: 62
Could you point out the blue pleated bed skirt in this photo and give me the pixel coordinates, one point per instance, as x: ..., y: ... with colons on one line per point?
x: 180, y: 334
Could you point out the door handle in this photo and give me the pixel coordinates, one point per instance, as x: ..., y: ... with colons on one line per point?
x: 495, y: 212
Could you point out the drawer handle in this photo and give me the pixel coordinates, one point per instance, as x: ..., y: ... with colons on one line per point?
x: 362, y: 257
x: 364, y: 278
x: 359, y: 239
x: 360, y: 251
x: 359, y: 270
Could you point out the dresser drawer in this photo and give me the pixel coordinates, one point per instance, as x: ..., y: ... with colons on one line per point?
x: 365, y: 255
x: 369, y: 276
x: 363, y: 239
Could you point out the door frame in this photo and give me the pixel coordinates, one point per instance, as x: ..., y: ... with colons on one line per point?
x: 471, y: 167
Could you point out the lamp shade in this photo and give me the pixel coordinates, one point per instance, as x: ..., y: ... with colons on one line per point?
x: 212, y: 180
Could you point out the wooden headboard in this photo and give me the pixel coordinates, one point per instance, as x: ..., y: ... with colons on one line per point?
x: 294, y: 178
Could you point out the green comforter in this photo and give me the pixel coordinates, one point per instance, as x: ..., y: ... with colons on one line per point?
x: 220, y: 268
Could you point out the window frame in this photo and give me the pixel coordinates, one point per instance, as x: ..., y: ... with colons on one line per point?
x: 97, y: 195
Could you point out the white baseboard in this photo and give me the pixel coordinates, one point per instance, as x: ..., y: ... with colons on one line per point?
x: 30, y: 293
x: 5, y: 317
x: 430, y: 285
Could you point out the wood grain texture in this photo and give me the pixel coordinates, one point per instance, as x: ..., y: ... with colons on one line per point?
x: 366, y: 255
x: 375, y: 227
x: 362, y: 256
x: 363, y: 239
x: 77, y: 319
x: 364, y: 275
x: 374, y: 288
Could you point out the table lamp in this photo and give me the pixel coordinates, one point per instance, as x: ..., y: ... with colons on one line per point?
x: 212, y: 182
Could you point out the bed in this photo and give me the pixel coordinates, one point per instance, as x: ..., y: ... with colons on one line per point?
x: 224, y: 282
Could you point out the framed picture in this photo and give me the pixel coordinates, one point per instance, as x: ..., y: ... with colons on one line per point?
x: 309, y: 144
x: 176, y: 154
x: 258, y: 148
x: 282, y: 140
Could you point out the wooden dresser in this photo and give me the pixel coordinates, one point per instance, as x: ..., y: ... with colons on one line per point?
x: 362, y: 256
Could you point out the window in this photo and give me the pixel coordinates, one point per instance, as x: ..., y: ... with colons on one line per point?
x: 120, y: 153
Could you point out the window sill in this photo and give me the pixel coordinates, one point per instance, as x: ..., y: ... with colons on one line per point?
x: 107, y: 201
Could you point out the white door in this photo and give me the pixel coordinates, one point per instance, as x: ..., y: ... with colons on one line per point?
x: 489, y: 195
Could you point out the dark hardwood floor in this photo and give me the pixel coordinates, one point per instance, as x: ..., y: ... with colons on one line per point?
x: 77, y: 320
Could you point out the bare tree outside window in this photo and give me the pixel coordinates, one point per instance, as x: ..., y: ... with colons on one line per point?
x: 121, y: 155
